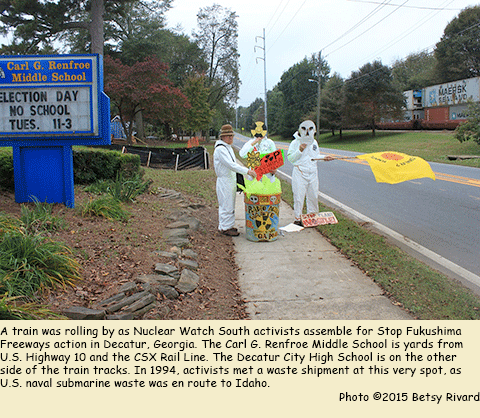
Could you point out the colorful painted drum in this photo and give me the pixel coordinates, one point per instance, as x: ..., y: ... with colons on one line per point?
x: 261, y: 216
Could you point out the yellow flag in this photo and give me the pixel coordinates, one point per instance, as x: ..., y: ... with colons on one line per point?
x: 394, y: 167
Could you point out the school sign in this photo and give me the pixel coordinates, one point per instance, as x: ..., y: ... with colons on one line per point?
x: 48, y: 104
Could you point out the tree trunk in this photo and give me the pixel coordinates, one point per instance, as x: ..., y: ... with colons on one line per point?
x: 139, y: 125
x: 96, y: 26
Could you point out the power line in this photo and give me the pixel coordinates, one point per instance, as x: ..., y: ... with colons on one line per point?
x: 278, y: 15
x: 409, y: 7
x: 412, y: 29
x: 364, y: 19
x: 253, y: 55
x: 365, y: 31
x: 286, y: 26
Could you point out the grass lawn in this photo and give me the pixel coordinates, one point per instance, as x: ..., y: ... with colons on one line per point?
x: 430, y: 145
x: 433, y: 146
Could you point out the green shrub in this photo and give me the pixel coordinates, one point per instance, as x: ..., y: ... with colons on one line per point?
x: 89, y: 165
x: 8, y: 224
x: 106, y: 207
x: 33, y: 263
x: 128, y: 190
x: 99, y: 187
x: 120, y: 189
x: 12, y: 308
x: 40, y: 217
x: 93, y: 164
x: 6, y: 169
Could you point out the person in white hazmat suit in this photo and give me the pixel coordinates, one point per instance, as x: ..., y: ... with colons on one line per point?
x: 226, y: 168
x: 300, y: 153
x: 260, y: 143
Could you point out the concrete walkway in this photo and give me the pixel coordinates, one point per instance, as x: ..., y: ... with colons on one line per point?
x: 302, y: 276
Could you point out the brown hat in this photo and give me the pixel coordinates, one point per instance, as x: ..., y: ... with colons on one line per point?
x: 226, y: 130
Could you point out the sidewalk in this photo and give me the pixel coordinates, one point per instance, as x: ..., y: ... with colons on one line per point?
x: 302, y: 276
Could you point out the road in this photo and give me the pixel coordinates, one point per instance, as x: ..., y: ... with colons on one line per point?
x: 437, y: 221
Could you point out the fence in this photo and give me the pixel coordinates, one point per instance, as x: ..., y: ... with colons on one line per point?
x: 169, y: 158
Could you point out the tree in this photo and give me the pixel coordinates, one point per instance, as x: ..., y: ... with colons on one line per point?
x: 184, y: 57
x: 217, y: 36
x: 37, y: 23
x: 299, y: 86
x: 458, y: 52
x: 371, y: 94
x: 416, y: 71
x: 470, y: 129
x: 333, y: 104
x: 276, y: 106
x: 199, y: 116
x: 132, y: 20
x: 143, y: 87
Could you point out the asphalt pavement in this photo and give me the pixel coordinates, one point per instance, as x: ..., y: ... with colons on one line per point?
x: 302, y: 276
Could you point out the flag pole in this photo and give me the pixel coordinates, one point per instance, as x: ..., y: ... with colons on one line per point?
x: 335, y: 158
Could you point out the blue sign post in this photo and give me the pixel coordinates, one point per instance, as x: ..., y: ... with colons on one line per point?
x: 48, y: 104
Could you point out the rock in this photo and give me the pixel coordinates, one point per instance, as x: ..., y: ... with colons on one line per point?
x: 194, y: 223
x: 169, y: 194
x: 144, y: 310
x: 141, y: 303
x: 179, y: 242
x: 196, y: 206
x: 190, y: 254
x: 127, y: 301
x: 129, y: 287
x: 155, y: 280
x: 176, y: 250
x: 114, y: 298
x: 189, y: 264
x: 178, y: 225
x: 122, y: 317
x: 168, y: 291
x: 188, y: 281
x: 167, y: 269
x: 81, y: 313
x: 166, y: 254
x: 175, y: 233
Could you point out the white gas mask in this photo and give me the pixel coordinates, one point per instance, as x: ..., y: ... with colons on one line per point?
x: 307, y: 132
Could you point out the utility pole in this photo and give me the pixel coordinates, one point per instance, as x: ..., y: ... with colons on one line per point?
x: 264, y: 71
x: 319, y: 92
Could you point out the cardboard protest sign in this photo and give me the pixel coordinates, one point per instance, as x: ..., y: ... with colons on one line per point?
x: 270, y: 162
x: 315, y: 219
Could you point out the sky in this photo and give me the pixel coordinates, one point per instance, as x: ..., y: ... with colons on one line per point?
x: 349, y: 33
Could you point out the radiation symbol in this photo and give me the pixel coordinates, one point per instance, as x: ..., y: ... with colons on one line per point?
x: 263, y: 223
x: 259, y: 131
x: 253, y: 160
x: 392, y: 156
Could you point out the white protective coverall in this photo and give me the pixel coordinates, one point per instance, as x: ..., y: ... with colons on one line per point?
x: 225, y: 168
x: 304, y: 175
x: 265, y: 146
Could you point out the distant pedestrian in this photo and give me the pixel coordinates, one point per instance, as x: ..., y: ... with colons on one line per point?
x: 226, y: 167
x: 300, y: 153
